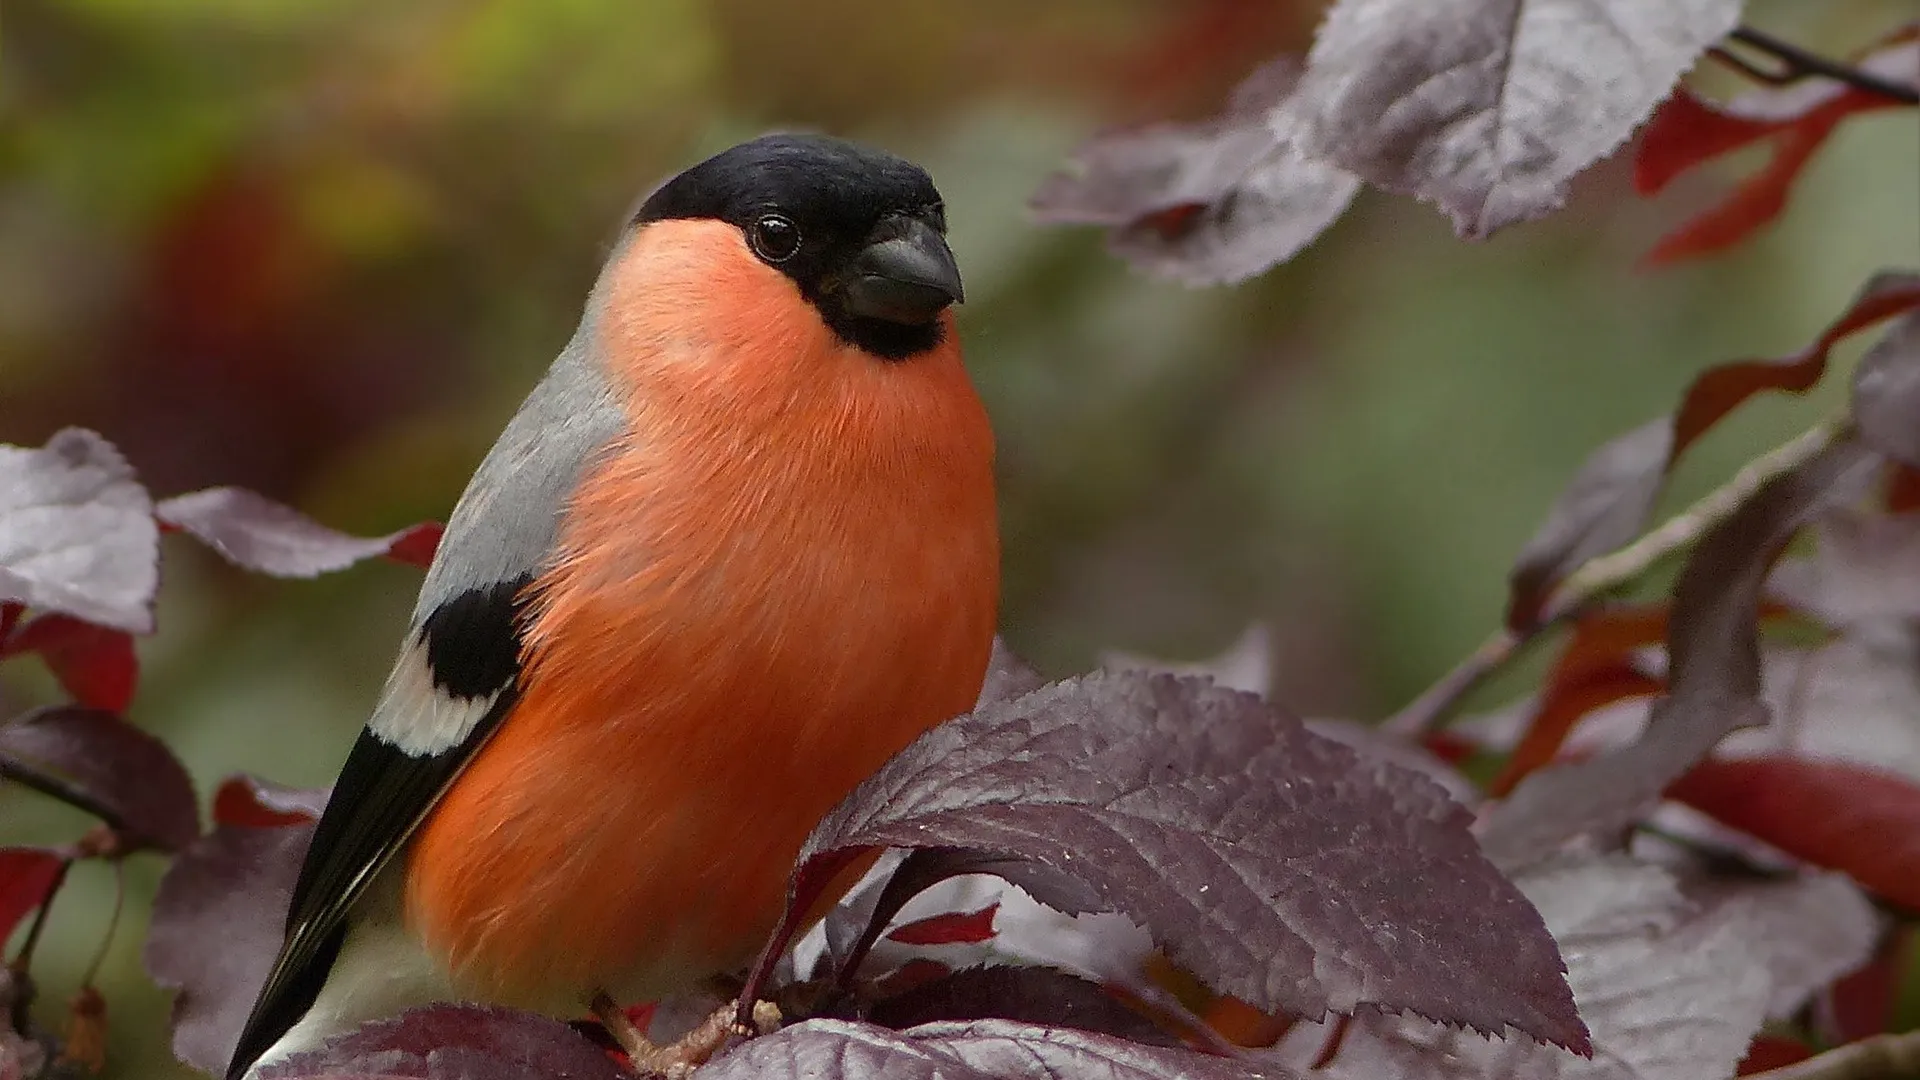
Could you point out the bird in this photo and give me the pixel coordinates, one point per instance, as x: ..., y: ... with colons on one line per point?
x: 737, y: 548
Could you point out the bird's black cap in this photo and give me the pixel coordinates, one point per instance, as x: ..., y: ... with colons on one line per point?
x: 863, y: 234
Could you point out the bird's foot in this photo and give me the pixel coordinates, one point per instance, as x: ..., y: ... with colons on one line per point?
x: 678, y: 1059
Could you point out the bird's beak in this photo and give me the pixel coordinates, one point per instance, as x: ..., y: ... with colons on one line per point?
x: 905, y: 274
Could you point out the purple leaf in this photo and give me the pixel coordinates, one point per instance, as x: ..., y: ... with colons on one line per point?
x: 1373, y: 741
x: 77, y: 533
x: 1281, y: 867
x: 1489, y: 109
x: 1606, y: 505
x: 1856, y: 699
x: 1207, y: 203
x: 1714, y: 678
x: 217, y: 923
x: 454, y: 1042
x: 1813, y: 929
x: 254, y: 532
x: 1032, y: 995
x: 1674, y: 982
x: 1864, y: 573
x: 1886, y: 393
x: 126, y: 777
x: 980, y: 1050
x: 1247, y: 664
x: 1008, y: 677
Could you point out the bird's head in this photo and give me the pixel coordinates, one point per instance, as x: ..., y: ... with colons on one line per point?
x: 860, y: 233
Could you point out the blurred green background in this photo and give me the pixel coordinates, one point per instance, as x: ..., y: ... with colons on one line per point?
x: 323, y: 248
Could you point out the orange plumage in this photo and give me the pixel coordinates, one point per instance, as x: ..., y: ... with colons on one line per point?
x: 784, y: 571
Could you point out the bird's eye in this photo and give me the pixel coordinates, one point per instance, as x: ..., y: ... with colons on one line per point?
x: 774, y: 238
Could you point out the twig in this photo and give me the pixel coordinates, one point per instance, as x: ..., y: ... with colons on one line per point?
x: 1608, y: 572
x: 1425, y: 712
x: 22, y: 961
x: 53, y: 786
x: 1604, y: 573
x: 113, y: 923
x: 1797, y: 63
x: 1882, y: 1057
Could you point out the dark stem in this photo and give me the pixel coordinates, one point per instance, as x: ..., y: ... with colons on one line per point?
x: 1797, y: 63
x: 23, y: 960
x: 1425, y: 712
x: 113, y: 923
x: 50, y: 785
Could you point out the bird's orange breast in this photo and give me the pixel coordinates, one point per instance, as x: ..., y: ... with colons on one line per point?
x: 784, y: 572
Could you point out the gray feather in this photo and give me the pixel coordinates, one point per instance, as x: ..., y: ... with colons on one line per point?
x: 505, y: 522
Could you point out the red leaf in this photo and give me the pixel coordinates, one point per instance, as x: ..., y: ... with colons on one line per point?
x: 95, y: 664
x: 28, y: 877
x: 1564, y: 702
x: 1903, y: 489
x: 1449, y: 746
x: 1854, y: 818
x: 1243, y: 1025
x: 1719, y: 390
x: 254, y: 532
x: 1594, y: 671
x: 948, y: 928
x: 10, y: 613
x: 1687, y: 131
x: 416, y: 546
x: 1773, y: 1052
x: 245, y: 800
x: 1756, y: 201
x: 1603, y: 637
x: 1861, y: 1003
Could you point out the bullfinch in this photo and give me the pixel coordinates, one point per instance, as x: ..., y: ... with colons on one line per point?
x: 737, y: 548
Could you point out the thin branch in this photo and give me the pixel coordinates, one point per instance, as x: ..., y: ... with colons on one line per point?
x: 1434, y: 704
x: 1752, y: 70
x: 22, y: 961
x: 1603, y: 574
x: 1797, y: 63
x: 113, y: 923
x: 1609, y: 572
x: 1882, y: 1057
x: 53, y: 786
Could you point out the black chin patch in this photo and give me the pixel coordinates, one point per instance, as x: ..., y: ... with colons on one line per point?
x: 886, y: 340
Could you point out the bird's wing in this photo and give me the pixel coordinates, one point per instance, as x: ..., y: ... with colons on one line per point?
x: 453, y: 682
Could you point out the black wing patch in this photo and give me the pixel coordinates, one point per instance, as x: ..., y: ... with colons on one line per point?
x: 472, y: 648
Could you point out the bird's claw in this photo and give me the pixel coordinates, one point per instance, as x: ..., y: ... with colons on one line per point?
x: 677, y: 1060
